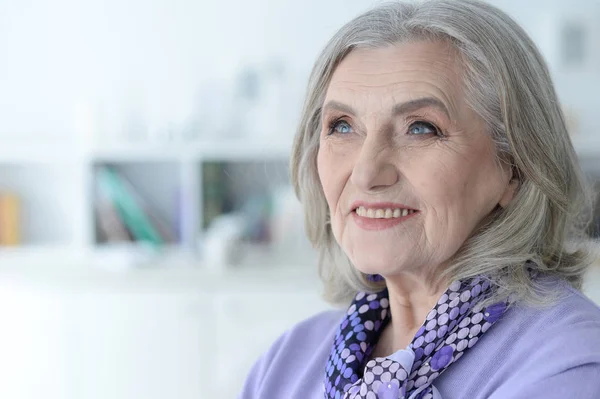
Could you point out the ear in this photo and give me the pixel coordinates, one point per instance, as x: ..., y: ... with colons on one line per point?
x: 510, y: 190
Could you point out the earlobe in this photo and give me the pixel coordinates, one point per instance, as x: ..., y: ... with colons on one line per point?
x: 509, y: 193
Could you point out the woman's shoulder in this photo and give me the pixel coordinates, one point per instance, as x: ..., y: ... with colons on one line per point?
x: 533, y: 349
x: 304, y: 349
x: 309, y: 334
x: 573, y: 311
x: 572, y: 321
x: 327, y: 320
x: 556, y: 347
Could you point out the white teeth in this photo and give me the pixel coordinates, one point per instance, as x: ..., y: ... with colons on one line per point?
x: 382, y: 213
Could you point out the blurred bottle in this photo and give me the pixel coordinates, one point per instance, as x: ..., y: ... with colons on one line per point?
x: 10, y: 223
x: 287, y: 224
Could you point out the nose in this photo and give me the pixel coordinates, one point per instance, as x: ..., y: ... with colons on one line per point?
x: 374, y: 169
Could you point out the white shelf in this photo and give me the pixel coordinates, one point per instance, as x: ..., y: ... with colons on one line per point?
x: 40, y: 255
x: 257, y: 261
x: 226, y: 150
x: 105, y: 257
x: 107, y: 268
x: 38, y: 154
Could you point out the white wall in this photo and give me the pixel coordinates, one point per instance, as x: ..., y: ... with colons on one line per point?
x: 152, y: 58
x: 141, y: 56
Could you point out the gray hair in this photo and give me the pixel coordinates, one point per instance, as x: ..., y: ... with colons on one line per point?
x: 508, y: 85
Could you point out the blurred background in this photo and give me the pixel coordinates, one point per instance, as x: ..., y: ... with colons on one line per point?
x: 150, y: 244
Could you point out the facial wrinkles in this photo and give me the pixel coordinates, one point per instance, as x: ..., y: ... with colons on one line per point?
x: 440, y: 204
x: 437, y: 79
x: 328, y: 173
x: 469, y: 187
x: 442, y: 175
x: 419, y: 247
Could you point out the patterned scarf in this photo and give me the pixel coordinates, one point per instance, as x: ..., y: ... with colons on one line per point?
x: 452, y: 327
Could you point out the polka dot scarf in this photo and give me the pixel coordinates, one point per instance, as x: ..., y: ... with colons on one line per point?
x: 451, y: 327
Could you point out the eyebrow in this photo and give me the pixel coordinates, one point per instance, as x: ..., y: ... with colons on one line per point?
x: 398, y: 109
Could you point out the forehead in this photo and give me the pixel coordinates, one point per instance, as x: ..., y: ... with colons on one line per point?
x: 399, y: 72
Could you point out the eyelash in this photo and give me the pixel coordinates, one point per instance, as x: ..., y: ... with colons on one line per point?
x: 335, y: 122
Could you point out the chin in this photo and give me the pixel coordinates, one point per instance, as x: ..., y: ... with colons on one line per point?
x: 383, y: 265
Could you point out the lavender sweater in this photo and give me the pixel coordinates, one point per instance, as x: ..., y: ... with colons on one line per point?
x: 531, y: 353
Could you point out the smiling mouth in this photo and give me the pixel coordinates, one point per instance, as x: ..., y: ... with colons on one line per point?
x: 387, y: 213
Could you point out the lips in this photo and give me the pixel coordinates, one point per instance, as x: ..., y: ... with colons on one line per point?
x: 381, y: 215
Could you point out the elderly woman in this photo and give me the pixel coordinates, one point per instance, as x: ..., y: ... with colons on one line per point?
x: 441, y: 188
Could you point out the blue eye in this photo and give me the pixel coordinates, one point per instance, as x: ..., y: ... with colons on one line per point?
x: 420, y: 128
x: 340, y: 126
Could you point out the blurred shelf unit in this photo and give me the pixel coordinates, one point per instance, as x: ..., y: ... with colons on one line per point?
x: 73, y: 205
x: 134, y: 202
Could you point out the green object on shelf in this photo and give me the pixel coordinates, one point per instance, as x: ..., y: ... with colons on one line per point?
x: 130, y: 211
x: 214, y: 191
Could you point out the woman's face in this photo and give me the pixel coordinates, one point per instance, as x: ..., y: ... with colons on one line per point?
x: 406, y: 166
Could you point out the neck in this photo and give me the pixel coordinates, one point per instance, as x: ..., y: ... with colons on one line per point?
x: 411, y: 299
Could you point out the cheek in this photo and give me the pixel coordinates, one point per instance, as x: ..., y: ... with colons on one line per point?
x: 334, y: 168
x: 444, y: 188
x: 327, y: 176
x: 485, y: 186
x: 438, y: 184
x: 460, y: 194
